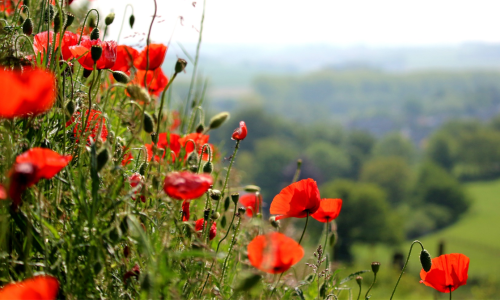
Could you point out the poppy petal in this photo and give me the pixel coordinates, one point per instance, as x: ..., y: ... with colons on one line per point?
x: 36, y: 288
x: 297, y: 200
x: 329, y: 210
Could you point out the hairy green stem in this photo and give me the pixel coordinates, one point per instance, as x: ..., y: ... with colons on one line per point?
x: 404, y: 267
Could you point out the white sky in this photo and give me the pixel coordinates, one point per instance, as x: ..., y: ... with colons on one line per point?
x: 376, y: 23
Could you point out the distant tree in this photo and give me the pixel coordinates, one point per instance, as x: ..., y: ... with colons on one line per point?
x: 440, y: 149
x: 394, y: 144
x: 332, y: 161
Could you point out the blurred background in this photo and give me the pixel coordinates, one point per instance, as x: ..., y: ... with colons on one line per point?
x: 392, y: 106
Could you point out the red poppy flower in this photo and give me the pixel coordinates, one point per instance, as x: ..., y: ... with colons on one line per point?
x: 274, y: 252
x: 125, y: 56
x: 156, y: 56
x: 199, y: 139
x: 95, y: 119
x: 136, y: 182
x: 156, y: 80
x: 240, y: 133
x: 448, y: 272
x: 134, y: 272
x: 6, y: 7
x: 200, y: 224
x: 185, y: 210
x: 40, y: 42
x: 186, y: 185
x: 69, y: 39
x: 42, y: 287
x: 127, y: 158
x: 252, y: 203
x: 176, y: 120
x: 3, y: 192
x: 329, y: 210
x: 25, y: 93
x: 296, y: 200
x: 108, y: 57
x: 163, y: 143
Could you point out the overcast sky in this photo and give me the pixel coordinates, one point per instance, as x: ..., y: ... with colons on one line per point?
x: 375, y: 23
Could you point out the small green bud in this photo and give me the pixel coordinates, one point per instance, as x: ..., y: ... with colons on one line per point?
x: 215, y: 215
x: 28, y: 27
x: 137, y: 92
x: 94, y: 35
x: 96, y: 52
x: 69, y: 20
x: 109, y: 19
x: 180, y: 65
x: 131, y: 21
x: 86, y: 73
x: 200, y: 128
x: 142, y: 168
x: 57, y: 23
x: 192, y: 158
x: 121, y: 77
x: 252, y: 188
x: 226, y: 203
x: 102, y: 159
x: 223, y: 222
x: 215, y: 195
x: 193, y: 168
x: 206, y: 214
x: 235, y: 197
x: 332, y: 239
x: 208, y: 167
x: 425, y: 260
x: 375, y: 267
x: 359, y: 279
x: 218, y: 120
x: 148, y: 123
x: 71, y: 107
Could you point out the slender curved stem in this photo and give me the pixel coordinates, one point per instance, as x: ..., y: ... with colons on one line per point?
x: 233, y: 241
x: 373, y: 282
x: 123, y: 21
x: 305, y: 227
x: 148, y: 42
x: 359, y: 294
x: 404, y: 267
x: 223, y: 192
x: 85, y: 21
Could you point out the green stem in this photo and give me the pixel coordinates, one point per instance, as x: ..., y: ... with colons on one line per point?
x: 85, y: 21
x: 305, y: 227
x: 404, y: 267
x: 450, y: 292
x: 123, y: 21
x: 359, y: 294
x: 233, y: 241
x: 373, y: 282
x: 297, y: 172
x: 223, y: 192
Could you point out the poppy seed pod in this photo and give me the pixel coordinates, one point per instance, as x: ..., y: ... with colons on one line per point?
x: 96, y: 52
x: 28, y: 26
x: 49, y: 13
x: 180, y: 65
x: 251, y: 188
x: 131, y: 21
x: 375, y: 267
x: 109, y: 19
x: 70, y: 107
x: 121, y: 77
x: 215, y: 195
x: 69, y: 20
x: 241, y: 210
x: 192, y: 158
x: 359, y: 279
x: 148, y: 123
x: 235, y: 197
x: 94, y: 35
x: 102, y: 159
x: 218, y: 120
x: 425, y: 260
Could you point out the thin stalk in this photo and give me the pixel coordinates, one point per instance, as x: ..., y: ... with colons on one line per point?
x: 123, y: 21
x: 373, y: 282
x: 223, y: 192
x: 233, y: 241
x: 147, y: 47
x: 450, y: 292
x: 404, y: 267
x: 359, y: 294
x: 85, y: 21
x: 297, y: 172
x: 305, y: 227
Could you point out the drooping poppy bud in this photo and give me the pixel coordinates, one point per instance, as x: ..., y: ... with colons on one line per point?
x: 425, y: 260
x: 180, y: 65
x: 121, y: 77
x: 148, y: 123
x: 218, y: 120
x: 215, y: 215
x: 131, y: 21
x: 109, y: 19
x: 186, y: 185
x: 28, y: 26
x: 94, y: 35
x: 208, y: 168
x: 275, y: 223
x: 58, y: 22
x: 240, y: 133
x: 143, y: 168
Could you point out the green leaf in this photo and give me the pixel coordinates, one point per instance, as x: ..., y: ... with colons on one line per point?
x: 353, y: 275
x: 248, y: 283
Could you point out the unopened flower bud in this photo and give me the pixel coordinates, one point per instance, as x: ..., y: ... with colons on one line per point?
x: 208, y: 167
x: 121, y: 77
x: 359, y: 279
x: 28, y: 26
x: 126, y: 251
x: 251, y: 188
x: 86, y: 73
x: 70, y: 107
x: 206, y: 214
x: 192, y: 158
x: 425, y: 260
x: 275, y: 223
x: 57, y: 23
x: 226, y: 203
x: 215, y: 215
x: 180, y: 65
x: 223, y: 222
x: 235, y: 197
x: 375, y: 267
x: 148, y: 123
x: 200, y: 128
x: 218, y: 120
x: 96, y: 52
x: 138, y: 93
x: 131, y: 21
x: 69, y: 20
x: 215, y: 195
x: 142, y: 168
x: 109, y: 19
x: 92, y: 22
x: 94, y: 35
x: 49, y: 14
x: 241, y: 210
x: 102, y: 159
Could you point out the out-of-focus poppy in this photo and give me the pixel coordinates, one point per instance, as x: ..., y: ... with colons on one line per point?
x: 156, y: 56
x: 42, y: 287
x: 448, y: 272
x: 3, y: 192
x: 96, y: 120
x: 41, y: 40
x: 136, y: 182
x: 156, y: 80
x: 296, y: 200
x: 69, y: 39
x: 329, y: 210
x: 125, y: 56
x: 200, y: 224
x: 167, y: 142
x: 127, y: 157
x: 240, y: 133
x: 6, y: 7
x: 274, y: 252
x: 252, y: 203
x: 134, y: 272
x: 108, y: 57
x: 25, y: 93
x: 176, y: 120
x: 199, y: 139
x: 185, y: 210
x: 186, y: 185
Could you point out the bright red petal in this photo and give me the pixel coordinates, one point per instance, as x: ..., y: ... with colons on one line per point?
x: 447, y: 271
x: 329, y: 210
x: 48, y: 162
x: 297, y: 200
x: 157, y: 54
x: 36, y: 288
x: 186, y: 185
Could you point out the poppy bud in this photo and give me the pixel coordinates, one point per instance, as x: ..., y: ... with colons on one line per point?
x: 241, y: 210
x: 425, y: 260
x: 226, y: 204
x: 121, y: 77
x: 359, y: 279
x: 235, y: 197
x: 215, y: 195
x: 218, y: 120
x: 215, y: 215
x: 126, y: 251
x: 57, y: 23
x: 28, y: 27
x: 192, y: 158
x: 148, y: 123
x: 138, y: 93
x: 91, y: 22
x: 109, y: 19
x: 200, y: 128
x: 208, y: 168
x: 206, y: 214
x: 102, y: 159
x: 223, y: 221
x: 49, y: 14
x: 94, y: 35
x: 96, y: 52
x: 252, y: 188
x: 375, y: 267
x: 180, y: 65
x: 275, y: 223
x: 69, y: 20
x: 86, y: 73
x: 131, y: 21
x: 193, y: 168
x: 142, y: 168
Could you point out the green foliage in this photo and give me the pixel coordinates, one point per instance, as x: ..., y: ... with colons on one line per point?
x: 330, y: 160
x: 394, y: 144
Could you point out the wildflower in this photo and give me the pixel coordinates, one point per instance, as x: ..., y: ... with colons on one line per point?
x: 186, y: 185
x: 329, y: 210
x: 107, y: 59
x: 296, y: 200
x: 125, y: 56
x: 95, y: 119
x: 134, y: 272
x: 274, y: 252
x: 240, y: 133
x: 156, y: 80
x: 448, y: 272
x: 38, y: 287
x: 185, y: 210
x: 167, y: 142
x: 69, y: 39
x: 157, y: 54
x: 31, y: 92
x: 252, y: 203
x: 136, y: 182
x: 3, y: 192
x: 127, y: 157
x: 200, y: 224
x: 199, y: 139
x: 176, y: 120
